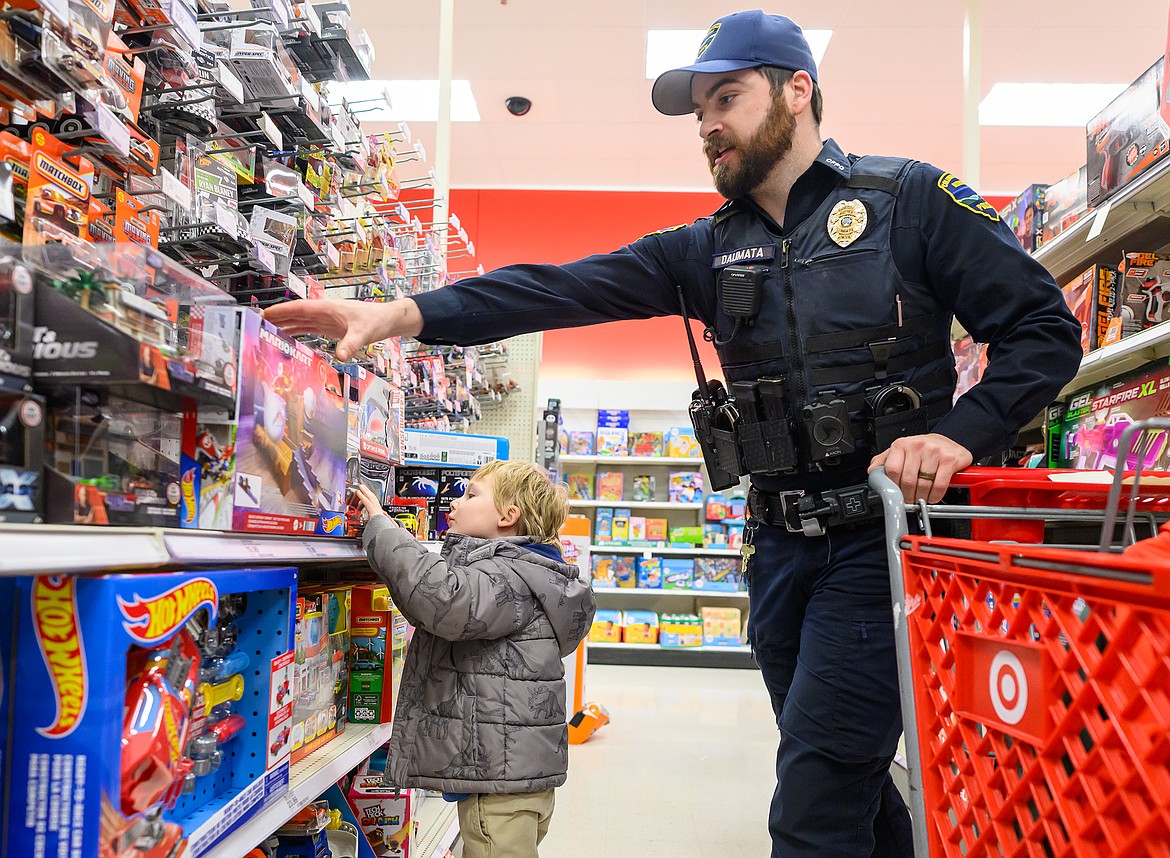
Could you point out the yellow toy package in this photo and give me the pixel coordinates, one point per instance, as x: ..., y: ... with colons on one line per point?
x: 640, y: 627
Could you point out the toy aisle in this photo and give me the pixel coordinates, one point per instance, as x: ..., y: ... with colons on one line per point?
x: 196, y: 659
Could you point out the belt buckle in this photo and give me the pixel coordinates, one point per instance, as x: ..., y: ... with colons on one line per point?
x: 788, y: 501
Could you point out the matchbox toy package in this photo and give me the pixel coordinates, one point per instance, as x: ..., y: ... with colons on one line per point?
x: 377, y: 652
x: 148, y: 705
x: 277, y: 464
x: 1143, y: 295
x: 1086, y: 433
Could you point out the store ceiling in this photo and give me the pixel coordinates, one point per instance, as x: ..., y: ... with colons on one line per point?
x: 892, y: 79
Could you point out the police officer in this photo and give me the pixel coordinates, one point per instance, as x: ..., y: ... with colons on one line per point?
x: 828, y: 283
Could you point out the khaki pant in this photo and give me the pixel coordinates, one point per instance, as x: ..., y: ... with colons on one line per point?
x: 504, y: 826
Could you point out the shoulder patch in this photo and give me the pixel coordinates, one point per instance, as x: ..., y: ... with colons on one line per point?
x: 662, y: 231
x: 964, y: 196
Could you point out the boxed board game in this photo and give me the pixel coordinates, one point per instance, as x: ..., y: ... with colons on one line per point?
x: 275, y: 462
x: 149, y: 708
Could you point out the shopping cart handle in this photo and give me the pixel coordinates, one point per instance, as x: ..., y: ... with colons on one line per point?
x: 893, y: 503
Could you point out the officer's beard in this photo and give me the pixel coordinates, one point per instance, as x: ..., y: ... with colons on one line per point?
x: 757, y: 157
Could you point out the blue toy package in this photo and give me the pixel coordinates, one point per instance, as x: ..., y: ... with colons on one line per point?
x: 154, y: 716
x: 604, y: 526
x: 614, y: 419
x: 686, y: 487
x: 678, y: 573
x: 650, y: 572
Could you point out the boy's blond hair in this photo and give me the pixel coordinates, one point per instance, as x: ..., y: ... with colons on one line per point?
x: 543, y: 506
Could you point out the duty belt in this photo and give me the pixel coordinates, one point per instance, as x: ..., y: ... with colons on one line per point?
x: 812, y: 513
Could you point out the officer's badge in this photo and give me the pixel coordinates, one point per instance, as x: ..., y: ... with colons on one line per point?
x: 847, y: 221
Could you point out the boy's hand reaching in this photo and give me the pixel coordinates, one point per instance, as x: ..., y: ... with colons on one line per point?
x: 366, y: 500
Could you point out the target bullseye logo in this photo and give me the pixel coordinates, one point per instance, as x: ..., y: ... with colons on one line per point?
x: 1008, y: 685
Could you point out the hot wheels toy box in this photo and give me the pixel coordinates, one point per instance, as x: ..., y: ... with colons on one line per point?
x: 321, y: 674
x: 1127, y: 137
x: 289, y: 444
x: 145, y: 711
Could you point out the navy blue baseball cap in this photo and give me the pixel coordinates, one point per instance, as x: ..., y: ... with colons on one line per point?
x: 742, y: 40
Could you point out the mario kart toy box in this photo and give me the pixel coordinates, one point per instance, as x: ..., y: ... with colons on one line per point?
x: 149, y: 723
x: 276, y: 463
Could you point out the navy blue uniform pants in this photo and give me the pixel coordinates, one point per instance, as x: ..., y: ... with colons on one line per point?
x: 822, y: 632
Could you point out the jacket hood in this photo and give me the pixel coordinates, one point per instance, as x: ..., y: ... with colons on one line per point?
x: 567, y: 600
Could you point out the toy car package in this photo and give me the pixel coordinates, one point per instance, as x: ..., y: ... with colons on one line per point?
x: 143, y: 719
x: 289, y: 444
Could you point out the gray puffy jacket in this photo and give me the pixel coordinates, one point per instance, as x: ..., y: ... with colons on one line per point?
x: 481, y: 708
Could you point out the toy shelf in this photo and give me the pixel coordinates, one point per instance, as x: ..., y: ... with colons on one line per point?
x: 41, y: 549
x: 655, y: 592
x: 669, y: 656
x: 438, y: 828
x: 308, y: 778
x: 568, y: 459
x: 652, y: 551
x: 594, y: 504
x: 1138, y: 214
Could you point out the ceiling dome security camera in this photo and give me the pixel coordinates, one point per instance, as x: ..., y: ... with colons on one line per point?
x: 518, y: 105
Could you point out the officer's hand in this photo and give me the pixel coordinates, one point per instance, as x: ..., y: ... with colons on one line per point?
x: 923, y: 465
x: 354, y: 323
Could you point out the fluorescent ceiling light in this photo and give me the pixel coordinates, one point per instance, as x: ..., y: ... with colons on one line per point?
x: 409, y: 100
x: 1046, y: 104
x: 671, y: 49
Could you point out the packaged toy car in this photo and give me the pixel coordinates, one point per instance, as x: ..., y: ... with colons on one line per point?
x: 127, y: 318
x: 22, y: 445
x: 377, y: 651
x: 16, y: 320
x: 145, y: 710
x: 321, y: 669
x: 1129, y: 136
x: 111, y: 461
x: 287, y: 434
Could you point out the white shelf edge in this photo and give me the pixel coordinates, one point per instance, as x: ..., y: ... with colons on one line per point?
x: 438, y: 828
x: 308, y: 778
x: 602, y: 548
x: 574, y: 458
x: 647, y: 592
x: 594, y: 504
x: 660, y: 647
x: 44, y: 549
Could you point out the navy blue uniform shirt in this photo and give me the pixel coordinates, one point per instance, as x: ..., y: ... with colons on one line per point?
x: 968, y: 257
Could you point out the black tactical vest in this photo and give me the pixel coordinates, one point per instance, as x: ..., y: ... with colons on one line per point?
x: 836, y: 322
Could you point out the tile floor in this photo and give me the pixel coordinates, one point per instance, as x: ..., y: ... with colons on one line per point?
x: 685, y: 768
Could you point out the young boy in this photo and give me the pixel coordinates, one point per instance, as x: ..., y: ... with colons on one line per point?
x: 481, y: 711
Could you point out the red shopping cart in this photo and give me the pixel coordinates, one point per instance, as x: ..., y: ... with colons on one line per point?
x: 1035, y: 679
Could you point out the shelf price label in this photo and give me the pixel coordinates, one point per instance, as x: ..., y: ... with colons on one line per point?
x: 271, y: 131
x: 231, y: 83
x: 113, y: 129
x: 1099, y: 220
x: 297, y: 286
x: 175, y: 189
